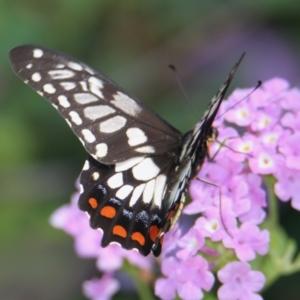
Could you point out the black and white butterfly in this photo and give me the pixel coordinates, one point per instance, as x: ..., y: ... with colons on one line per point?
x: 134, y: 182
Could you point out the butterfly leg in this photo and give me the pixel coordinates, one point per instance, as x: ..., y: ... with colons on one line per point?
x: 223, y: 144
x: 220, y: 199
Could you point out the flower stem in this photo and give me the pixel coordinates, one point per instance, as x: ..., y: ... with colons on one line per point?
x: 142, y: 286
x: 273, y: 216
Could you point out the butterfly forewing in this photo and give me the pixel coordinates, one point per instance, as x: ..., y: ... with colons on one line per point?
x: 134, y: 182
x: 111, y: 125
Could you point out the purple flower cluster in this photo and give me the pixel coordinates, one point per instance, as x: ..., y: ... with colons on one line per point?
x: 258, y: 138
x: 261, y: 139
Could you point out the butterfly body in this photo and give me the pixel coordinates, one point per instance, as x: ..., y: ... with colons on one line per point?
x: 134, y: 182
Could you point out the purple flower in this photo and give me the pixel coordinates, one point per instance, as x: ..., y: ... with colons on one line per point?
x: 275, y: 86
x: 210, y: 226
x: 201, y: 195
x: 291, y: 120
x: 265, y: 161
x: 291, y: 100
x: 240, y: 282
x: 287, y: 186
x: 190, y: 243
x: 186, y: 278
x: 242, y: 146
x: 101, y: 289
x: 247, y: 240
x: 75, y: 222
x: 242, y: 114
x: 290, y: 148
x: 170, y: 241
x: 271, y: 138
x: 257, y: 198
x: 165, y: 288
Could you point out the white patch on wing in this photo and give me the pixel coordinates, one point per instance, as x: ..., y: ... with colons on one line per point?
x: 63, y: 101
x: 85, y: 98
x: 97, y: 111
x: 81, y: 189
x: 136, y: 136
x: 49, y: 88
x: 145, y: 149
x: 86, y: 165
x: 127, y: 164
x: 115, y: 243
x: 96, y: 85
x: 113, y: 124
x: 75, y: 117
x: 101, y: 150
x: 215, y: 103
x: 89, y: 70
x: 61, y: 74
x: 95, y: 176
x: 36, y: 77
x: 59, y: 66
x: 37, y: 53
x: 29, y: 66
x: 124, y: 191
x: 83, y: 85
x: 137, y: 194
x: 88, y: 136
x: 159, y: 189
x: 115, y: 181
x: 75, y: 66
x: 126, y: 104
x: 145, y: 170
x: 149, y: 191
x: 68, y: 85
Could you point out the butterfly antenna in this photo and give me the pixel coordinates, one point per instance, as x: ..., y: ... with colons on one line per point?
x: 259, y: 83
x: 172, y: 67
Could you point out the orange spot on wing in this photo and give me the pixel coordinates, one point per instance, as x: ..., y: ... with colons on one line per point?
x: 108, y: 212
x: 170, y: 215
x: 172, y: 212
x: 154, y: 232
x: 93, y: 203
x: 120, y: 231
x: 137, y: 236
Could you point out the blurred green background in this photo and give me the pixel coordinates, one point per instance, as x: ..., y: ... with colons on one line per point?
x: 131, y: 42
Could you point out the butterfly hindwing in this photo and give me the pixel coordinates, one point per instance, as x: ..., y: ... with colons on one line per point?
x: 128, y: 200
x: 134, y: 182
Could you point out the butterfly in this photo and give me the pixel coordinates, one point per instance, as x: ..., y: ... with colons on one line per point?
x: 134, y: 182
